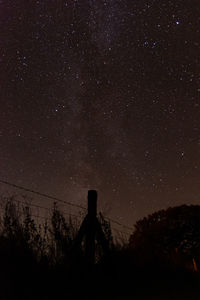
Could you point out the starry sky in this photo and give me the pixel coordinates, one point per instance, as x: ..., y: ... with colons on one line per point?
x: 102, y: 94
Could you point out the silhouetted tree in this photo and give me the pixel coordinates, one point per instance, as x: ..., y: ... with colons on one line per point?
x: 168, y: 236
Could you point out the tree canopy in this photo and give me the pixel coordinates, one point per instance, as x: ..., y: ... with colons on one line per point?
x: 167, y: 234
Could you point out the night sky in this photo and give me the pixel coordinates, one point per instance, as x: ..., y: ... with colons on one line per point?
x: 102, y: 95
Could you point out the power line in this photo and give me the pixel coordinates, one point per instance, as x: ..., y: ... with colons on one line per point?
x: 118, y: 223
x: 41, y: 194
x: 38, y: 216
x: 43, y: 207
x: 59, y: 200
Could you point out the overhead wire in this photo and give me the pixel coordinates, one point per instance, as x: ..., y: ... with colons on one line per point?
x: 61, y: 201
x: 42, y: 194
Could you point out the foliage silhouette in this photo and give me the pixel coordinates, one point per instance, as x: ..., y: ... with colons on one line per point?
x: 168, y: 237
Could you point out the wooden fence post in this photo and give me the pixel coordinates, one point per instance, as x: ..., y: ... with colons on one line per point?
x: 91, y: 229
x: 92, y: 203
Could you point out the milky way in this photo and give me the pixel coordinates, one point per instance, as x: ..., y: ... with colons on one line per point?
x: 104, y: 95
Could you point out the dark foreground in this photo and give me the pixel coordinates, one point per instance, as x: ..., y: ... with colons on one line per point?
x: 107, y: 280
x: 47, y: 263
